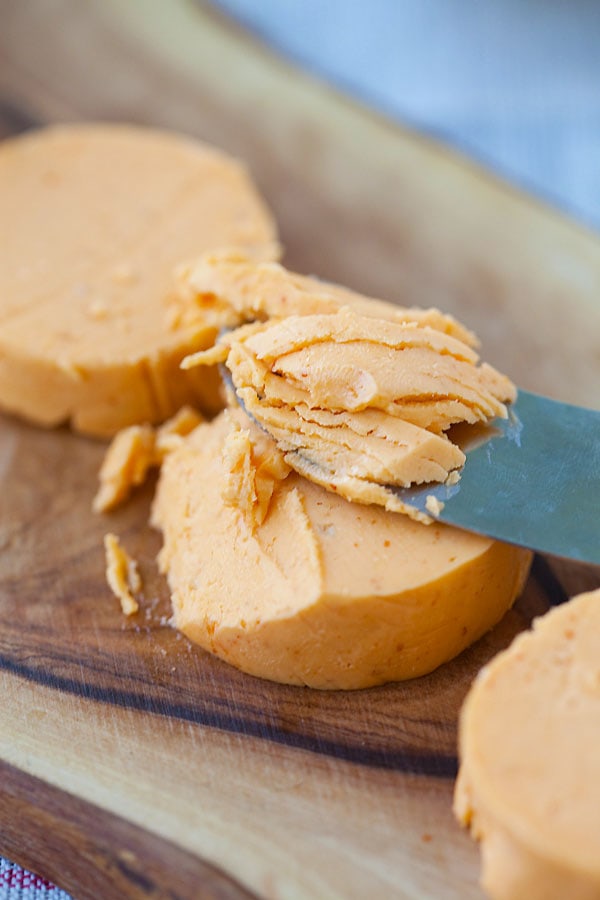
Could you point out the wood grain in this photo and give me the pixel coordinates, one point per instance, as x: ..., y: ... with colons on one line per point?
x: 118, y: 736
x: 96, y: 854
x: 128, y: 662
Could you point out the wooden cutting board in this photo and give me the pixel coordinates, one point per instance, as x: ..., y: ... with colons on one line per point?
x: 132, y: 764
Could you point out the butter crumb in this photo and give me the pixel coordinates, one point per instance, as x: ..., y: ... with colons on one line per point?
x: 128, y: 459
x: 210, y: 357
x: 250, y: 476
x: 172, y: 432
x: 137, y: 449
x: 122, y: 574
x: 239, y: 488
x: 433, y: 505
x: 453, y: 478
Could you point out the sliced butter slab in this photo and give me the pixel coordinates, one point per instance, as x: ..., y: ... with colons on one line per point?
x: 93, y: 221
x: 289, y: 582
x: 529, y: 782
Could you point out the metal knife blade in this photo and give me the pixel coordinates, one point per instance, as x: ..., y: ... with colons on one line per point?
x: 535, y: 481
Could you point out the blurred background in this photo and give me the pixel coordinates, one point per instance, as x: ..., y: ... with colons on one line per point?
x: 514, y: 84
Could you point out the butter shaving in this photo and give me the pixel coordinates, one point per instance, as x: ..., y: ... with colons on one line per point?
x: 136, y: 450
x: 250, y: 476
x: 171, y: 433
x: 453, y: 478
x: 361, y: 405
x: 125, y: 466
x: 433, y: 505
x: 122, y: 574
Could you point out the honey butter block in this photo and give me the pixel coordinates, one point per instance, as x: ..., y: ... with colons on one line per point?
x: 93, y: 221
x: 293, y: 583
x: 529, y: 781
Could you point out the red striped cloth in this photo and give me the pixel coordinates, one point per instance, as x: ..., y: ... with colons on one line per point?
x: 18, y: 884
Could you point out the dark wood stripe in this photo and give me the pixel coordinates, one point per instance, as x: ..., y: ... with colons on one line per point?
x: 403, y: 760
x: 95, y: 854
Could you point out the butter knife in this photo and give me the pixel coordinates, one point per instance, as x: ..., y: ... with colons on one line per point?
x: 533, y: 480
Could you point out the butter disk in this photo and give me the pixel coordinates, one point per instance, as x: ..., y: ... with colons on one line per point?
x: 291, y: 582
x: 93, y: 221
x: 529, y: 782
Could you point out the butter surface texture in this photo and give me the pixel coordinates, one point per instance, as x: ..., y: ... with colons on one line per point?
x: 360, y: 404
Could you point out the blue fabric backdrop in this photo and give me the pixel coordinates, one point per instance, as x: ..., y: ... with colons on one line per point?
x: 513, y: 83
